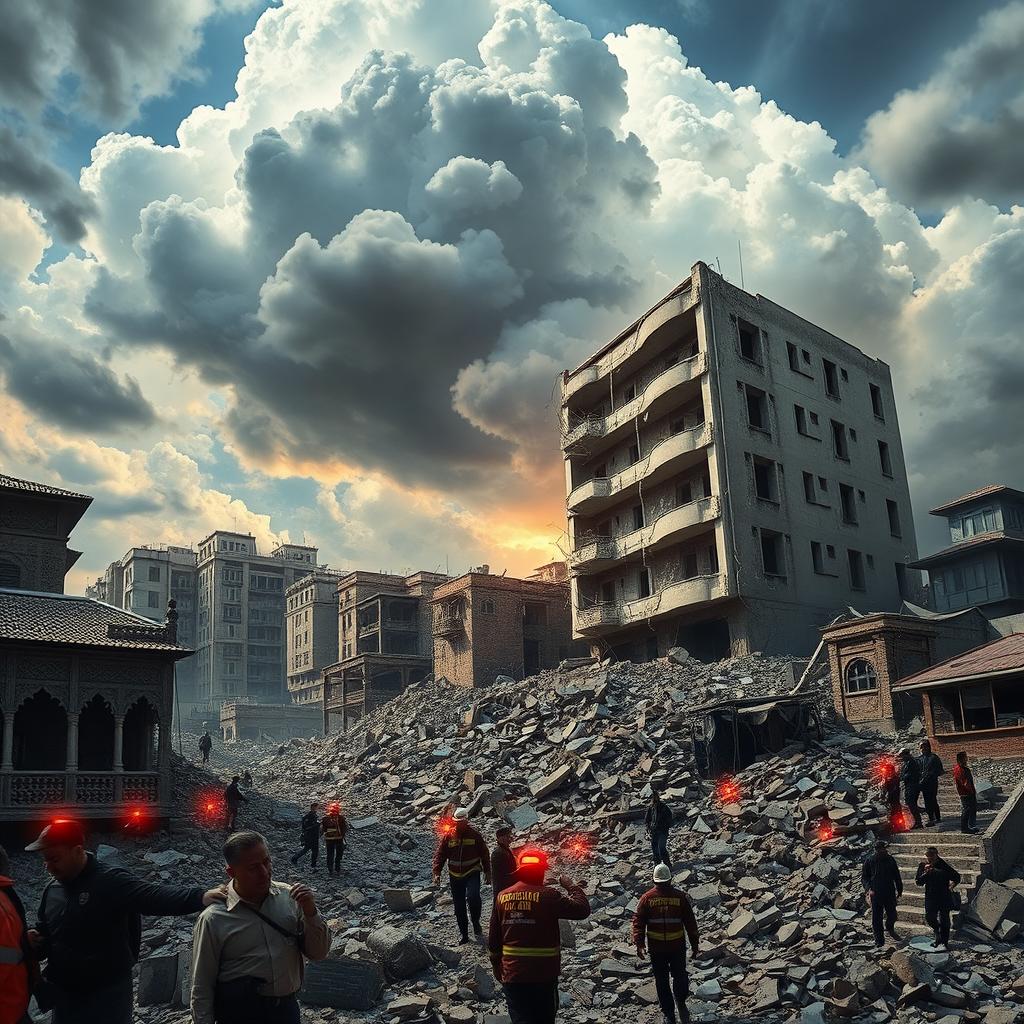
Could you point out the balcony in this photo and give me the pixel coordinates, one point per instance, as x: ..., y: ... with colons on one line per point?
x: 368, y: 628
x: 671, y: 527
x: 597, y: 432
x: 668, y: 456
x: 685, y: 594
x: 596, y: 616
x: 448, y: 626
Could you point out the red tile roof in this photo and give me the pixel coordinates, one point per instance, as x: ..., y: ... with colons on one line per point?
x: 997, y: 656
x: 12, y: 483
x: 981, y: 492
x: 978, y: 541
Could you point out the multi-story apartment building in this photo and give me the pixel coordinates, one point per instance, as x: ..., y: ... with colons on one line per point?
x: 151, y: 576
x: 984, y: 566
x: 735, y: 476
x: 109, y: 587
x: 240, y: 616
x: 385, y: 642
x: 487, y: 625
x: 311, y: 605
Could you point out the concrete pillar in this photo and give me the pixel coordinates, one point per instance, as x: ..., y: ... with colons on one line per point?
x: 72, y: 747
x: 118, y: 743
x: 8, y: 761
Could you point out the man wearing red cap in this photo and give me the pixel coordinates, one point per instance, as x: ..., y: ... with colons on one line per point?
x: 525, y: 941
x: 465, y: 852
x: 90, y: 927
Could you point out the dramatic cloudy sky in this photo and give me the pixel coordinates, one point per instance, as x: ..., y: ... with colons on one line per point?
x: 312, y: 269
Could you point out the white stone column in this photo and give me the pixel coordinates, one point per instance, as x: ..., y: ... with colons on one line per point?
x: 118, y: 743
x: 8, y: 761
x: 72, y: 757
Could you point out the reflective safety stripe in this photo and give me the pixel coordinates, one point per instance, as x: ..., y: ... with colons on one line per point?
x: 471, y: 870
x: 10, y: 956
x: 528, y: 951
x: 664, y: 936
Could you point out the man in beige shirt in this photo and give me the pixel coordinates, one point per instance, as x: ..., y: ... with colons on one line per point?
x: 247, y: 953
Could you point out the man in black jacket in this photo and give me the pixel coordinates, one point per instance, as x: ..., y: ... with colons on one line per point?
x: 90, y: 927
x: 931, y: 769
x: 658, y: 822
x: 910, y: 776
x: 503, y: 861
x: 938, y: 879
x: 881, y: 877
x: 309, y: 828
x: 233, y: 799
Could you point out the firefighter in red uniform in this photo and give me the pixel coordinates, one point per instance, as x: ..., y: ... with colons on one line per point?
x: 525, y: 942
x: 465, y: 852
x: 661, y: 917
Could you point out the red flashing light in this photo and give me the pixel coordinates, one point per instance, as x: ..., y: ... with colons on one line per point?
x: 900, y: 821
x: 728, y: 790
x: 884, y: 770
x: 826, y: 831
x: 445, y: 827
x: 577, y: 848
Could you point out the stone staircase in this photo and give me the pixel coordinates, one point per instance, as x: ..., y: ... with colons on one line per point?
x: 963, y: 852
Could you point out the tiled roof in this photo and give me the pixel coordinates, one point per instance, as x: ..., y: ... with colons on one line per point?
x: 61, y: 619
x: 979, y: 541
x: 1002, y: 655
x: 981, y: 492
x: 12, y: 483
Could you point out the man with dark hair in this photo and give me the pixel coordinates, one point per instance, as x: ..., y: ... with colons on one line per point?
x: 247, y: 954
x: 910, y: 777
x: 503, y: 861
x: 525, y: 940
x: 309, y: 829
x: 233, y: 799
x: 938, y: 879
x: 964, y: 779
x: 205, y: 746
x: 658, y: 822
x: 931, y: 769
x: 90, y: 926
x: 884, y: 886
x: 17, y: 962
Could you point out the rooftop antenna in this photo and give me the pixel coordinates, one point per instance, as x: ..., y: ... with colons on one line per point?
x: 719, y: 262
x: 739, y: 249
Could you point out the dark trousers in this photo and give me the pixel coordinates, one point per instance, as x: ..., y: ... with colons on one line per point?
x: 230, y: 817
x: 883, y: 912
x: 938, y: 920
x: 282, y: 1010
x: 912, y: 804
x: 334, y: 851
x: 112, y: 1005
x: 968, y: 811
x: 206, y: 756
x: 531, y: 1002
x: 670, y: 978
x: 467, y: 890
x: 659, y: 847
x: 930, y: 794
x: 313, y: 846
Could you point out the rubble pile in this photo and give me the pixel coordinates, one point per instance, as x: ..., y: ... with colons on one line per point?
x: 771, y: 861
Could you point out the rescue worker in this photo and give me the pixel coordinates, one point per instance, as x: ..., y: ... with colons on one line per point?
x: 938, y: 879
x: 910, y: 779
x: 662, y: 917
x: 884, y: 886
x: 90, y: 927
x: 931, y: 768
x: 503, y: 861
x: 964, y: 779
x: 233, y: 799
x: 890, y: 789
x: 18, y: 967
x: 658, y: 822
x: 524, y: 940
x: 205, y: 746
x: 464, y: 851
x: 334, y: 828
x: 309, y: 829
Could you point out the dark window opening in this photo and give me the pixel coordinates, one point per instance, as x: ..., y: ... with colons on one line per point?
x: 856, y: 563
x: 750, y: 342
x: 628, y: 394
x: 757, y: 408
x: 816, y: 557
x: 670, y: 360
x: 876, y: 402
x: 678, y: 425
x: 608, y: 592
x: 772, y: 557
x: 141, y: 735
x: 712, y: 559
x: 96, y: 737
x: 535, y: 614
x: 902, y: 580
x: 831, y: 378
x: 154, y: 574
x: 634, y: 454
x: 894, y: 517
x: 644, y: 583
x: 601, y: 470
x: 810, y: 495
x: 638, y: 517
x: 823, y: 483
x: 40, y: 735
x: 765, y: 479
x: 883, y: 458
x: 830, y: 550
x: 839, y: 443
x: 801, y: 420
x: 684, y: 494
x: 814, y: 419
x: 689, y: 565
x: 794, y: 357
x: 847, y: 504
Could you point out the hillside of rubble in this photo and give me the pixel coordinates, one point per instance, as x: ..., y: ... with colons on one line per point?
x: 569, y: 758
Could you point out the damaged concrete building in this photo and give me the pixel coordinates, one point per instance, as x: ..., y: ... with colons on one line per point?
x: 311, y: 610
x: 734, y: 474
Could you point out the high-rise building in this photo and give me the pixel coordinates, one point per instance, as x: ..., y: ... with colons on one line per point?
x: 735, y: 476
x: 311, y: 612
x: 240, y: 616
x: 109, y: 587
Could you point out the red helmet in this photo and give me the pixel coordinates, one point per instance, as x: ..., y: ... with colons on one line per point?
x: 532, y: 858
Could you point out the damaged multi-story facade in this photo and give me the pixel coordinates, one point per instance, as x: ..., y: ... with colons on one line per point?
x: 311, y: 610
x: 734, y: 474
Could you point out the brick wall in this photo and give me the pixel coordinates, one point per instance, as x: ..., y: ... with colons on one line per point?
x: 1007, y: 742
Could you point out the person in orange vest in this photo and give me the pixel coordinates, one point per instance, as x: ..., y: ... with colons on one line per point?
x: 525, y: 942
x: 17, y: 962
x: 662, y: 917
x: 334, y: 828
x: 465, y: 852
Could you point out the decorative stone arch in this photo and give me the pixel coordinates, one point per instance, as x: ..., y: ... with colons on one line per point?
x: 40, y: 732
x: 96, y: 733
x: 141, y: 735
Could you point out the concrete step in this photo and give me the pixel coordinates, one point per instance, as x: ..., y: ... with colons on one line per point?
x: 908, y: 864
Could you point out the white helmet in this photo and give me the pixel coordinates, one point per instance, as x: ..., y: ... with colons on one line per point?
x: 662, y: 873
x: 462, y: 814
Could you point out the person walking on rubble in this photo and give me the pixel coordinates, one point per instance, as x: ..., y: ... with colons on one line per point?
x: 334, y: 828
x: 503, y: 861
x: 884, y: 886
x: 931, y: 768
x: 233, y: 799
x: 658, y: 821
x: 910, y: 777
x: 938, y: 880
x: 309, y: 830
x: 464, y: 851
x: 205, y: 746
x: 663, y: 917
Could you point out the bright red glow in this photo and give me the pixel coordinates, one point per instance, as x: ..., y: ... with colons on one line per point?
x: 900, y: 821
x: 884, y: 770
x: 445, y: 826
x: 826, y: 831
x: 728, y: 790
x: 577, y: 848
x: 334, y: 808
x: 533, y: 858
x: 209, y: 807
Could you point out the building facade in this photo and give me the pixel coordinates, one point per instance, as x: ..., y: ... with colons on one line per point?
x: 109, y: 587
x: 984, y: 565
x: 734, y: 475
x: 240, y: 617
x: 385, y: 642
x: 485, y: 626
x: 311, y: 609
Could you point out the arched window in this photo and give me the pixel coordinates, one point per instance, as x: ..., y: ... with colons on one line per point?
x: 96, y: 736
x: 860, y: 676
x: 141, y: 737
x: 40, y: 735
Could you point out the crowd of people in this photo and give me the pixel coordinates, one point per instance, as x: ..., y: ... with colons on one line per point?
x: 917, y: 778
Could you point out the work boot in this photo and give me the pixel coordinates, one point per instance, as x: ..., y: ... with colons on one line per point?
x: 892, y: 932
x: 464, y: 939
x: 477, y: 930
x: 684, y: 1013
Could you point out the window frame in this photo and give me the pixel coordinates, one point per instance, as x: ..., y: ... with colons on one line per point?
x: 853, y: 680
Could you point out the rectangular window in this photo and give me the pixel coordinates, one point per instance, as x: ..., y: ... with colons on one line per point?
x: 638, y: 517
x: 839, y: 442
x: 794, y: 357
x: 894, y: 517
x: 902, y: 581
x: 684, y: 494
x: 154, y: 574
x: 814, y: 419
x: 848, y: 504
x: 634, y: 454
x: 817, y: 558
x: 822, y: 484
x: 750, y: 342
x: 689, y: 567
x: 232, y: 613
x: 644, y: 583
x: 830, y: 551
x: 154, y: 599
x: 628, y: 394
x: 856, y: 563
x: 712, y: 559
x: 766, y: 484
x: 772, y: 557
x: 831, y: 378
x: 757, y: 408
x: 810, y: 494
x: 806, y: 356
x: 883, y: 459
x: 801, y: 420
x: 876, y: 402
x: 600, y: 470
